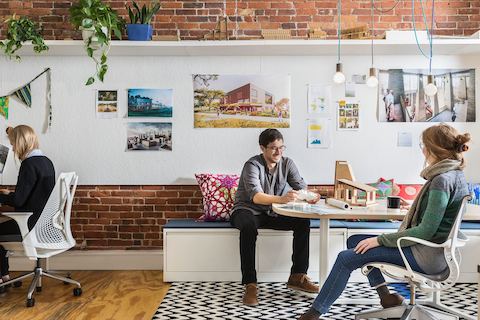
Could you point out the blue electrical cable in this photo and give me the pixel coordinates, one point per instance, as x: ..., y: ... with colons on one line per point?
x: 415, y: 30
x: 431, y: 35
x: 339, y: 9
x: 429, y: 32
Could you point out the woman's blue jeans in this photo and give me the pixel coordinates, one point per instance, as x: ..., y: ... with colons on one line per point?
x: 347, y: 261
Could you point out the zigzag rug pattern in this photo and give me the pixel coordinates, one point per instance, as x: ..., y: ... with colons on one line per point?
x: 222, y: 300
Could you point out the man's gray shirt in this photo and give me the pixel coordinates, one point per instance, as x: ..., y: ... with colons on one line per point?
x: 256, y: 178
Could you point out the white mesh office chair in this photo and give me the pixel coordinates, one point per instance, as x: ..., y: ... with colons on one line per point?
x: 432, y: 284
x: 51, y: 235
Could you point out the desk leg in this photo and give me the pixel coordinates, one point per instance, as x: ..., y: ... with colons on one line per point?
x: 323, y: 255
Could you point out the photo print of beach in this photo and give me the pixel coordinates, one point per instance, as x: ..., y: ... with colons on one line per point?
x: 241, y: 101
x: 107, y: 104
x: 150, y: 103
x: 402, y: 97
x: 154, y: 136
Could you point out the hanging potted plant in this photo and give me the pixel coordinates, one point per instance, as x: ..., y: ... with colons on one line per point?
x: 20, y: 30
x: 139, y: 28
x: 97, y: 22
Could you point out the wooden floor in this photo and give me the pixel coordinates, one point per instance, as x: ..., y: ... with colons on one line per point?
x: 106, y: 295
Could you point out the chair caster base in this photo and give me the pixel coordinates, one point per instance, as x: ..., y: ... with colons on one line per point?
x: 30, y: 302
x: 77, y: 292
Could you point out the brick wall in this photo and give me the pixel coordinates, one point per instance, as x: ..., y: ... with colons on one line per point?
x: 132, y: 217
x: 193, y: 19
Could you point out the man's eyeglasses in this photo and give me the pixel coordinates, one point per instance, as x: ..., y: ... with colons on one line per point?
x: 281, y: 148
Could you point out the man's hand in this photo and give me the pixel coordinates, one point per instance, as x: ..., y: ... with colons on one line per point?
x: 366, y: 244
x: 290, y: 196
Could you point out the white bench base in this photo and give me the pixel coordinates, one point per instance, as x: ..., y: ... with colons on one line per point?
x: 212, y: 254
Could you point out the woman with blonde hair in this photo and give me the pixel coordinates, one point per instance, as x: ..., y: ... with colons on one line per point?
x: 430, y: 218
x: 36, y: 179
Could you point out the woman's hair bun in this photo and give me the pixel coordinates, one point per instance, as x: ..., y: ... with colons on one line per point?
x: 462, y: 139
x: 463, y: 148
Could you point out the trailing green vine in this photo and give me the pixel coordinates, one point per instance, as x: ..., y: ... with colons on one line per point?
x: 20, y: 30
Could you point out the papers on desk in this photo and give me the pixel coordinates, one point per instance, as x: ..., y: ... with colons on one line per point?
x: 309, y: 208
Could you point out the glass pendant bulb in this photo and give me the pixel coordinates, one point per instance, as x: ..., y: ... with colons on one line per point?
x: 372, y: 80
x: 339, y: 77
x: 430, y: 88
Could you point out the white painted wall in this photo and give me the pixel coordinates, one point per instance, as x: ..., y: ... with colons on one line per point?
x: 95, y: 148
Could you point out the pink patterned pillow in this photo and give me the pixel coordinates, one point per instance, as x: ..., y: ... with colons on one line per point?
x: 218, y: 192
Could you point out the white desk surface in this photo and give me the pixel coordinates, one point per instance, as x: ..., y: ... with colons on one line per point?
x: 379, y: 211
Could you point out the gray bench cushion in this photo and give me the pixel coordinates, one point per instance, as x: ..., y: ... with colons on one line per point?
x: 191, y: 223
x: 314, y: 223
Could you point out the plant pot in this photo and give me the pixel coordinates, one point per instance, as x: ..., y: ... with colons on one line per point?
x: 139, y: 32
x: 90, y: 33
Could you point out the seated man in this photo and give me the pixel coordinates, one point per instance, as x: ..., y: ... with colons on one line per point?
x: 265, y: 180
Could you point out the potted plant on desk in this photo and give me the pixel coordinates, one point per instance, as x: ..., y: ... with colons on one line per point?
x: 97, y: 22
x: 139, y: 28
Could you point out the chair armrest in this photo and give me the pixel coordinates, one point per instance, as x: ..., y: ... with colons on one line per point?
x: 21, y: 218
x: 421, y: 241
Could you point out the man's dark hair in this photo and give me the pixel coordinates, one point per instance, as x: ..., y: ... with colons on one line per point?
x: 269, y: 135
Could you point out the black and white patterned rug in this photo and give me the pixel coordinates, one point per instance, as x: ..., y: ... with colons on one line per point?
x: 222, y: 300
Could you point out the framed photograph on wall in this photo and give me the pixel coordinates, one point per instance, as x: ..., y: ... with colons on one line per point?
x: 241, y: 101
x: 150, y: 103
x: 402, y: 95
x: 107, y: 104
x: 149, y: 136
x: 348, y: 115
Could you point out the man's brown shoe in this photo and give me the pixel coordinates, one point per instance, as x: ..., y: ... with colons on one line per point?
x: 391, y: 300
x: 250, y: 295
x: 311, y: 314
x: 300, y: 281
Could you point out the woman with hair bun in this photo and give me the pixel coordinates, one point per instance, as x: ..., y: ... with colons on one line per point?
x: 36, y: 180
x: 430, y: 218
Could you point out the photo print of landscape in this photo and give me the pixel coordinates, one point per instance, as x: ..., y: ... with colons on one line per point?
x: 150, y: 103
x: 241, y: 101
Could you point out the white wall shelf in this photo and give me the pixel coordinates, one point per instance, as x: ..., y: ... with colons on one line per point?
x: 263, y: 47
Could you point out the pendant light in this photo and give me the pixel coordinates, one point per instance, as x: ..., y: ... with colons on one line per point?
x: 372, y: 80
x: 339, y: 77
x: 430, y: 89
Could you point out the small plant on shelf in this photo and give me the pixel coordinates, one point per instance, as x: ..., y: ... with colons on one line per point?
x: 97, y: 22
x: 140, y: 27
x: 20, y: 30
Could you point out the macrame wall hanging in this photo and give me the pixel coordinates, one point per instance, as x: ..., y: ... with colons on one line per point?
x: 24, y: 95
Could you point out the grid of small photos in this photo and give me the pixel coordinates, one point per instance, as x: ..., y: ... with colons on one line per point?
x: 146, y: 105
x: 348, y: 115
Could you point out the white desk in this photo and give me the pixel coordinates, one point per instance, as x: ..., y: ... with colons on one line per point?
x: 378, y: 212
